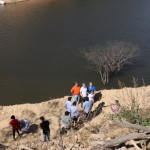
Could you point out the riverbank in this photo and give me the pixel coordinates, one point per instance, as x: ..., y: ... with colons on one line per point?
x: 53, y: 109
x: 12, y: 1
x: 17, y: 1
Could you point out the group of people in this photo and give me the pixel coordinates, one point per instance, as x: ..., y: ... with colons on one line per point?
x: 83, y: 95
x: 24, y: 126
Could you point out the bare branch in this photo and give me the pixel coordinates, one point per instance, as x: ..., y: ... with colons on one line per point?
x: 111, y: 58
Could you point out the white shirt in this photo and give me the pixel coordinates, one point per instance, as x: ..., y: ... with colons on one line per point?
x: 68, y: 105
x: 91, y: 98
x: 83, y: 91
x: 74, y: 111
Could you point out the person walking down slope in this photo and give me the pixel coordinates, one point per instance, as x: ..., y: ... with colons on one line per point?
x: 87, y: 105
x: 68, y: 104
x: 15, y: 125
x: 91, y: 96
x: 66, y: 120
x: 45, y: 127
x: 83, y: 91
x: 91, y: 88
x: 74, y: 113
x: 75, y: 90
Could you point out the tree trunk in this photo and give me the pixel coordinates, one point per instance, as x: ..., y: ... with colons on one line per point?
x: 120, y: 140
x: 130, y: 126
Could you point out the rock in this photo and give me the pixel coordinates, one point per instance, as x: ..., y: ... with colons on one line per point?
x: 108, y: 138
x: 95, y: 143
x: 148, y: 145
x: 1, y: 107
x: 96, y: 137
x: 69, y: 146
x: 76, y: 146
x: 25, y: 148
x: 122, y: 148
x: 81, y: 146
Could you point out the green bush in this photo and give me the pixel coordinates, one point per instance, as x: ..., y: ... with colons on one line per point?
x: 135, y: 115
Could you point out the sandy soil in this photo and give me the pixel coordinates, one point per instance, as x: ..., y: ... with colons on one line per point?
x: 13, y: 1
x: 53, y: 109
x: 32, y: 1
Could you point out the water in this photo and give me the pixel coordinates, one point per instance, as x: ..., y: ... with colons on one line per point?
x: 41, y: 41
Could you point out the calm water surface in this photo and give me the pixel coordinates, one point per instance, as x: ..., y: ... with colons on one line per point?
x: 40, y: 45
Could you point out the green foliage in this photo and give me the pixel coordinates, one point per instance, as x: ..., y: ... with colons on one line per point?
x: 135, y: 115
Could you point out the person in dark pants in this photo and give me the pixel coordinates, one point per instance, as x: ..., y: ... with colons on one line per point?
x: 15, y: 125
x: 45, y: 127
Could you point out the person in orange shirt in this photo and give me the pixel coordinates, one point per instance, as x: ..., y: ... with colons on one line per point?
x: 75, y: 90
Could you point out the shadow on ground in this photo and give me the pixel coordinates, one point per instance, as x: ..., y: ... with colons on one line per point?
x: 3, y: 147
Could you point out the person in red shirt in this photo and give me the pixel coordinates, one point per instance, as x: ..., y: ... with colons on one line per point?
x: 15, y: 125
x: 75, y: 90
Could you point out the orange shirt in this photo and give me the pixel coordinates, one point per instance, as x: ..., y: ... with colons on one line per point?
x: 75, y: 90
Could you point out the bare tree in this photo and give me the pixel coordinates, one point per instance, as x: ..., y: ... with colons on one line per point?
x: 111, y: 58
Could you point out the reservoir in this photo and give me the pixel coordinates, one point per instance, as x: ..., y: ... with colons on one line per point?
x: 41, y: 45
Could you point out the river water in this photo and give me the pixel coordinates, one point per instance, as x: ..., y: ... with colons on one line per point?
x: 41, y: 44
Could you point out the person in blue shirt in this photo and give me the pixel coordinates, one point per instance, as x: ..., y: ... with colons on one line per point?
x: 87, y: 105
x: 91, y: 88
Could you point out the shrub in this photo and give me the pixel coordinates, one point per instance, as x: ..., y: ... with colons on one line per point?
x: 136, y: 106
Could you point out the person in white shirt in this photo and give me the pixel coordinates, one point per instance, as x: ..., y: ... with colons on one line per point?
x: 68, y: 104
x: 83, y: 91
x: 74, y: 112
x: 91, y: 96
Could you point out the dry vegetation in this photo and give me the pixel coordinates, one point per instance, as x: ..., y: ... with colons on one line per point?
x: 136, y: 108
x: 111, y: 58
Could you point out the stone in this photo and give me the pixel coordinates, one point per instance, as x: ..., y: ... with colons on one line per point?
x: 148, y: 145
x: 96, y: 137
x: 1, y: 107
x: 76, y: 146
x: 95, y: 143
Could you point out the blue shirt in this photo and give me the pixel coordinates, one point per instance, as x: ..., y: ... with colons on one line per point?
x: 87, y: 106
x: 89, y: 88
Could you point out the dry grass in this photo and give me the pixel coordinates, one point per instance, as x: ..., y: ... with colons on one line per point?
x: 138, y: 95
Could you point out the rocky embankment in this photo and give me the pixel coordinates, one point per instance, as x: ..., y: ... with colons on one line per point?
x: 86, y: 137
x: 2, y: 2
